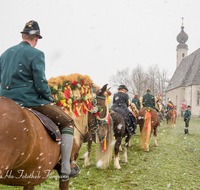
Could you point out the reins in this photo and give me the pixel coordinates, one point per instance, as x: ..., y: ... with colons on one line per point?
x: 97, y: 121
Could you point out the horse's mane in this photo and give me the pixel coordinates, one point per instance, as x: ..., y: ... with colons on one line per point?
x: 72, y: 77
x: 81, y: 122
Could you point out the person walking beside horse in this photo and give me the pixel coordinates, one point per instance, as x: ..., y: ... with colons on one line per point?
x: 187, y: 115
x: 23, y: 80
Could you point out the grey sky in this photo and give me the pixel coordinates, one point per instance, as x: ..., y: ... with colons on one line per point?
x: 99, y: 37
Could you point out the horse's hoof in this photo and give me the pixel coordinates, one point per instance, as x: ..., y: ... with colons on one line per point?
x: 86, y: 165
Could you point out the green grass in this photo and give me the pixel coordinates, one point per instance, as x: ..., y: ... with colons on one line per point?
x: 173, y: 164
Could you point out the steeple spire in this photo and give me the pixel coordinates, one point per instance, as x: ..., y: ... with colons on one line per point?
x: 182, y: 48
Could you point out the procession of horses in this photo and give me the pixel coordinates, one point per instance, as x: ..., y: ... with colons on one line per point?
x: 29, y: 151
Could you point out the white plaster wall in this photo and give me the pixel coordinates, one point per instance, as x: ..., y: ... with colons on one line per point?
x: 188, y: 93
x: 176, y: 96
x: 179, y: 56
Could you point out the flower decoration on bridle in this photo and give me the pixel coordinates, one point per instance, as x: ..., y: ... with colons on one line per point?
x: 108, y: 96
x: 65, y: 97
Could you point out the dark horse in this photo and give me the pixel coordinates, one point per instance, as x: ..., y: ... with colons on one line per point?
x: 171, y: 115
x: 100, y: 130
x: 120, y: 131
x: 148, y: 121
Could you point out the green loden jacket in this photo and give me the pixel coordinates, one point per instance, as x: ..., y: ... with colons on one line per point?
x: 23, y: 76
x: 148, y: 100
x: 187, y: 114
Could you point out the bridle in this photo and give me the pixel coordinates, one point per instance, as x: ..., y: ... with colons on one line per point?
x: 97, y: 121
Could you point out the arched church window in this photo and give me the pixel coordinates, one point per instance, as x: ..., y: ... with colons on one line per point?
x: 183, y: 55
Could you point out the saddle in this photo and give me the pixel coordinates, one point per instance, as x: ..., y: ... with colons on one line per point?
x: 51, y: 128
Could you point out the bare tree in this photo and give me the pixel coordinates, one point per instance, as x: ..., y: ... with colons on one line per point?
x: 122, y: 77
x: 138, y: 78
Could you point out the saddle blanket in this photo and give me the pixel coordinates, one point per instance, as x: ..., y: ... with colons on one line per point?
x: 51, y: 128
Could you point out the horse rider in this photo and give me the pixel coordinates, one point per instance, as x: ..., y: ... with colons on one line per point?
x: 148, y: 100
x: 136, y: 101
x: 170, y: 105
x: 23, y: 80
x: 120, y: 105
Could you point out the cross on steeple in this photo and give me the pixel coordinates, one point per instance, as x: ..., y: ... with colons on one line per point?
x: 182, y: 21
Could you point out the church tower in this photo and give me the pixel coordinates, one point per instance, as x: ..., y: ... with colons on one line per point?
x: 182, y: 48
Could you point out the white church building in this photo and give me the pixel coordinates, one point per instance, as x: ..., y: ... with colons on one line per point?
x: 185, y: 83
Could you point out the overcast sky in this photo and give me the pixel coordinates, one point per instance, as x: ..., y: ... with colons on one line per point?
x: 100, y: 37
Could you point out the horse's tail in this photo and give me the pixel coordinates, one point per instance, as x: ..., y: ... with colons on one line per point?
x: 146, y: 132
x: 105, y: 149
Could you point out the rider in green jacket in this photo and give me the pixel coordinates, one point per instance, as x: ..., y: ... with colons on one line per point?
x: 23, y: 80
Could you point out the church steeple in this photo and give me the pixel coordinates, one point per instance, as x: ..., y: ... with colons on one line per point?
x: 182, y: 48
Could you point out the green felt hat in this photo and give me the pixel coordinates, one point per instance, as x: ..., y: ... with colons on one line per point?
x: 32, y: 28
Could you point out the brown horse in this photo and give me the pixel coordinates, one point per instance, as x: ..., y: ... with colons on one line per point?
x: 89, y: 125
x: 99, y: 130
x: 28, y: 154
x: 171, y: 115
x: 148, y: 121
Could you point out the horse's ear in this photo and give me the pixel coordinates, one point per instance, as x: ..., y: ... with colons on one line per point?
x: 103, y: 89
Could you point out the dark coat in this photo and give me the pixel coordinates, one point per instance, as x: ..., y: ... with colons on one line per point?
x: 170, y: 106
x: 23, y: 76
x: 187, y: 114
x: 136, y: 101
x: 148, y: 101
x: 120, y: 105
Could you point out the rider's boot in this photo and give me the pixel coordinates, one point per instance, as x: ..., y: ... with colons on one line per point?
x: 66, y: 148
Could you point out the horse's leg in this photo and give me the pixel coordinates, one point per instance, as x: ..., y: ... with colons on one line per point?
x: 155, y: 135
x: 116, y: 159
x: 63, y: 185
x: 74, y: 152
x: 87, y: 158
x: 120, y: 147
x: 28, y: 188
x: 129, y: 142
x: 126, y: 148
x: 171, y: 122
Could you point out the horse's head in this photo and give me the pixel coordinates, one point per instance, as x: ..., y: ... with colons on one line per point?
x: 97, y: 120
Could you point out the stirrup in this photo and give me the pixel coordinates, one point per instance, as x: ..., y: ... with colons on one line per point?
x: 76, y: 168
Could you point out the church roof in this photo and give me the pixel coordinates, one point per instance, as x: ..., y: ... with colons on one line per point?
x: 187, y: 73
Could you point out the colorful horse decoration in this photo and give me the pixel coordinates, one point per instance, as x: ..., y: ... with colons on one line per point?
x: 148, y: 121
x: 171, y: 115
x: 87, y: 104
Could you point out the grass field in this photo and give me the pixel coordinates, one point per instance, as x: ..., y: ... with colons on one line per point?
x: 173, y: 164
